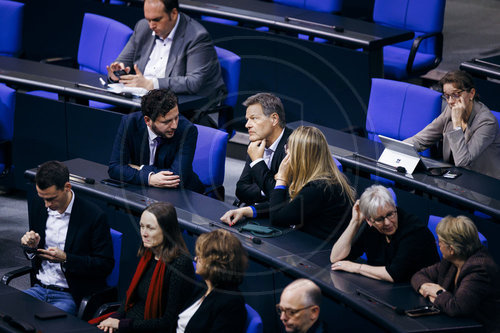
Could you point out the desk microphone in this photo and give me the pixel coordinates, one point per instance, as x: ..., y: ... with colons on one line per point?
x: 378, y: 300
x: 80, y: 179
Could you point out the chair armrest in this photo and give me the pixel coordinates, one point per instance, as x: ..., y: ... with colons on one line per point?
x: 61, y: 61
x: 107, y: 308
x: 416, y: 45
x: 91, y: 303
x: 7, y: 277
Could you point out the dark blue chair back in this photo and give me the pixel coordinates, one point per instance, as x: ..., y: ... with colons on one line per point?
x: 7, y: 105
x: 326, y: 6
x: 116, y: 238
x: 254, y: 321
x: 11, y: 23
x: 230, y: 64
x: 400, y: 110
x: 101, y: 41
x: 433, y: 222
x: 497, y: 115
x: 425, y: 18
x: 210, y: 156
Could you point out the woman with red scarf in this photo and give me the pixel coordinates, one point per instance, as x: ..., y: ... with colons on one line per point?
x: 163, y: 279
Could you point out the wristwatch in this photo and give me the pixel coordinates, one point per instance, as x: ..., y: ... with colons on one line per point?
x: 440, y: 291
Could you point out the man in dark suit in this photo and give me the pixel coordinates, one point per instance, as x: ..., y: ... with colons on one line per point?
x: 69, y: 242
x: 268, y: 135
x: 156, y: 147
x: 170, y: 50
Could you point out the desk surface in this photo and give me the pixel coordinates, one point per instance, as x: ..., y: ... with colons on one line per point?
x: 29, y: 74
x: 355, y: 32
x: 484, y: 67
x: 472, y: 190
x: 21, y: 306
x: 295, y: 253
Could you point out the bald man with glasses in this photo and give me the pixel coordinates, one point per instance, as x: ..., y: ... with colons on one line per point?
x: 298, y: 308
x: 396, y: 244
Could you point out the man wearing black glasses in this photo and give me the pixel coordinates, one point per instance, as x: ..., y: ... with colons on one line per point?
x: 396, y: 244
x: 299, y: 307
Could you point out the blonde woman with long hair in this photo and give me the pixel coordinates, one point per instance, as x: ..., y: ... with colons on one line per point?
x: 310, y: 192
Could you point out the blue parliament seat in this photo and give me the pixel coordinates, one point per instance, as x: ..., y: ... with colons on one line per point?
x: 11, y: 23
x: 210, y: 159
x: 326, y: 6
x: 424, y: 52
x: 89, y: 303
x: 101, y: 41
x: 230, y: 65
x: 254, y: 321
x: 7, y: 106
x: 433, y: 222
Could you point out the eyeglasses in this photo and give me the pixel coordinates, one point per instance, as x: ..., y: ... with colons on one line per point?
x: 380, y: 220
x: 290, y: 312
x: 456, y: 95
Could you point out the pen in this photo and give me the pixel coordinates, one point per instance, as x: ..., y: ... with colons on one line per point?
x: 102, y: 81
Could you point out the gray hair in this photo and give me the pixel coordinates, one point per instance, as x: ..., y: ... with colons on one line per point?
x: 270, y: 104
x: 373, y: 198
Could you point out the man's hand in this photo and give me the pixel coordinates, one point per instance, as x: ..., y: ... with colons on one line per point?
x: 109, y: 325
x: 233, y: 216
x: 256, y: 149
x: 52, y: 254
x: 116, y: 66
x: 137, y: 80
x: 30, y: 239
x: 134, y: 166
x: 164, y: 179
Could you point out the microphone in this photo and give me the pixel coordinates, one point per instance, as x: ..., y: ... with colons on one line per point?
x: 80, y: 179
x: 374, y: 299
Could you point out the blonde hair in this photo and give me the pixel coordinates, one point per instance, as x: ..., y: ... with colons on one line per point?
x: 460, y: 233
x: 310, y: 159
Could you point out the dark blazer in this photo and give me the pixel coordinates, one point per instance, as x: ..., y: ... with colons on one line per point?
x: 88, y: 246
x: 193, y: 66
x: 260, y: 177
x: 222, y: 311
x: 476, y: 292
x: 132, y: 147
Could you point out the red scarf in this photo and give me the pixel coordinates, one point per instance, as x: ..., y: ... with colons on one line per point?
x: 154, y: 305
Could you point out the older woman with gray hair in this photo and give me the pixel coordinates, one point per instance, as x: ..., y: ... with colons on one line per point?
x: 467, y: 281
x: 396, y: 244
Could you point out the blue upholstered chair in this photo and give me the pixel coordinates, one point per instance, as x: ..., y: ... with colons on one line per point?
x: 89, y: 303
x: 417, y: 56
x: 7, y: 105
x: 101, y: 41
x: 11, y: 23
x: 433, y: 222
x: 219, y: 20
x: 210, y: 159
x: 497, y: 115
x: 400, y: 110
x: 230, y: 64
x: 254, y: 322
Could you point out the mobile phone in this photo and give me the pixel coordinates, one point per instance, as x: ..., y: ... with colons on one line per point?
x: 113, y: 182
x: 451, y: 175
x: 423, y: 311
x: 50, y: 314
x: 120, y: 73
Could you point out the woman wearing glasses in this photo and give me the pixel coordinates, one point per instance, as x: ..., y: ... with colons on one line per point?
x: 470, y: 133
x: 396, y: 244
x: 310, y: 192
x: 467, y: 281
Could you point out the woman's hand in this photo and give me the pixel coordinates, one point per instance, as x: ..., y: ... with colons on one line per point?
x: 109, y: 325
x: 357, y: 217
x: 458, y: 113
x: 233, y: 216
x: 282, y: 174
x: 429, y: 289
x: 346, y: 266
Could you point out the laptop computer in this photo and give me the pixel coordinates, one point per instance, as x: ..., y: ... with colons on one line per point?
x: 402, y: 154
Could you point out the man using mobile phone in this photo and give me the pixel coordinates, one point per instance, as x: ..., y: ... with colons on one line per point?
x: 168, y: 49
x: 71, y: 248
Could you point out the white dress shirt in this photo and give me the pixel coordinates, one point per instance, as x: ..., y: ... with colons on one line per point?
x: 55, y: 236
x: 157, y: 63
